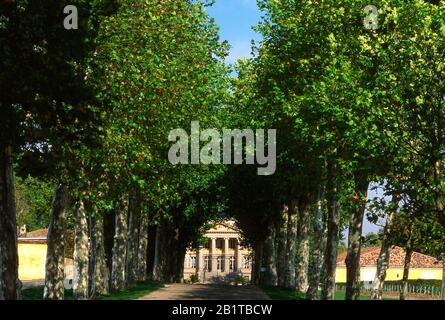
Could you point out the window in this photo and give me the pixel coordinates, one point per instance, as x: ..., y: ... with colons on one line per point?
x: 207, y: 263
x: 219, y: 261
x: 247, y: 262
x: 192, y: 262
x: 219, y: 243
x: 232, y: 263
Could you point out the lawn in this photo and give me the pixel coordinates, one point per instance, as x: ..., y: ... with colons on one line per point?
x: 138, y: 291
x: 36, y: 293
x: 276, y: 293
x: 134, y: 293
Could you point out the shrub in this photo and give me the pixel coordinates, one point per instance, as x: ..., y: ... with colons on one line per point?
x: 240, y: 279
x: 194, y: 278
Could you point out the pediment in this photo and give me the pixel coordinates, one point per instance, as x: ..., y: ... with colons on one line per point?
x: 224, y: 226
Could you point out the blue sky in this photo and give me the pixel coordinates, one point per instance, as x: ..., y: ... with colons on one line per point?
x: 236, y: 18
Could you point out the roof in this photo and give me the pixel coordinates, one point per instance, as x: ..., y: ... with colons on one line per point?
x: 223, y: 226
x: 369, y: 257
x: 41, y: 233
x: 39, y: 237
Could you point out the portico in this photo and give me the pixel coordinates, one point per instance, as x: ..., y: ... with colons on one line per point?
x: 221, y: 258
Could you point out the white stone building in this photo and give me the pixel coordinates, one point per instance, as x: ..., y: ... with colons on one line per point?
x: 222, y: 259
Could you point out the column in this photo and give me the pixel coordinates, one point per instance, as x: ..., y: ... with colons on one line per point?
x: 199, y: 263
x: 239, y: 258
x: 226, y: 255
x: 213, y: 256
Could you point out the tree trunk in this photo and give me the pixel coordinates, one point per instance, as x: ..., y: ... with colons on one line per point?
x: 270, y: 274
x: 156, y: 275
x: 438, y: 194
x: 131, y: 263
x: 440, y: 205
x: 150, y: 254
x: 302, y: 267
x: 281, y: 236
x: 380, y: 275
x: 158, y: 263
x: 258, y: 258
x: 178, y: 262
x: 119, y: 247
x: 442, y: 292
x: 354, y: 241
x: 289, y: 276
x: 81, y: 250
x: 385, y: 251
x: 8, y: 231
x: 55, y: 254
x: 404, y: 291
x: 440, y: 209
x: 99, y: 272
x: 318, y: 248
x: 142, y: 252
x: 109, y: 223
x: 166, y: 252
x: 330, y: 259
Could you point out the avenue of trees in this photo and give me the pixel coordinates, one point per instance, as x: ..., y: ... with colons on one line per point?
x: 355, y: 107
x: 86, y: 115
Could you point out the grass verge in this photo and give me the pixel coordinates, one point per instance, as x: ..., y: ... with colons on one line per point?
x: 277, y: 293
x: 139, y: 290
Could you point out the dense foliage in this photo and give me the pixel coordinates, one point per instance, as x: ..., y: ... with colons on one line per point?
x: 356, y: 96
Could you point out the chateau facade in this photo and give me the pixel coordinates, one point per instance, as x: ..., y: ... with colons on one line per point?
x: 222, y: 259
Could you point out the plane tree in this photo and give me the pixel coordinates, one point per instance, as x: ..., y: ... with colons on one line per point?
x: 42, y: 101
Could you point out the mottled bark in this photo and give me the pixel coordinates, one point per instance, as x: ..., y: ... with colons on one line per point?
x: 99, y: 272
x: 55, y: 273
x: 157, y: 247
x: 354, y: 241
x: 438, y: 194
x: 442, y: 292
x: 385, y: 251
x: 131, y: 262
x: 318, y: 248
x: 281, y: 236
x: 406, y: 265
x: 119, y: 246
x: 380, y: 275
x: 289, y: 276
x: 8, y: 232
x: 142, y: 252
x: 440, y: 209
x: 270, y: 274
x: 81, y: 250
x: 109, y: 222
x: 302, y: 266
x: 333, y: 225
